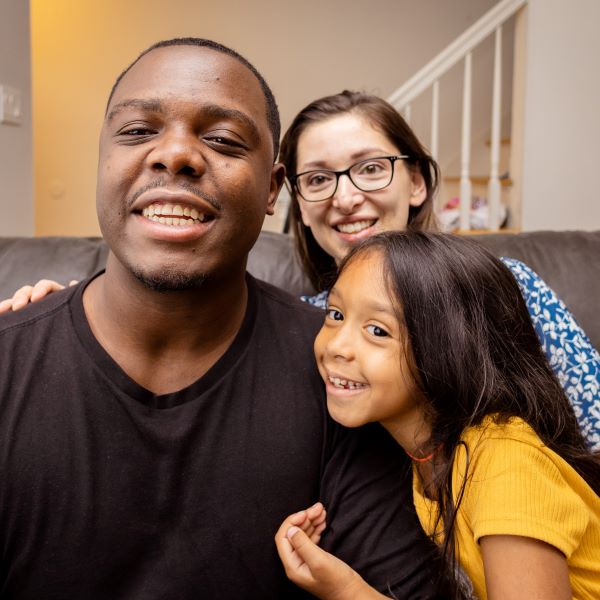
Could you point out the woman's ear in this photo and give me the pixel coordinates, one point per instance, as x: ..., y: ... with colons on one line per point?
x: 305, y: 214
x: 418, y: 191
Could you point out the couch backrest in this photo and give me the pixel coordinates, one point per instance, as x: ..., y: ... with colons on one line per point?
x: 569, y: 261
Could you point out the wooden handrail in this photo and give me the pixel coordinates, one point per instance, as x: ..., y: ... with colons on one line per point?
x: 454, y: 52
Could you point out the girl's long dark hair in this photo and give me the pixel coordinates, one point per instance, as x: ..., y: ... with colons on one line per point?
x: 318, y: 265
x: 473, y: 352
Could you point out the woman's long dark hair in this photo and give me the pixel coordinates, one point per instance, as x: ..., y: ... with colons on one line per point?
x: 318, y: 265
x: 473, y: 352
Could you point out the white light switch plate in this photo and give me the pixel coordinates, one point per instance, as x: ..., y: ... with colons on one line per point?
x: 11, y: 110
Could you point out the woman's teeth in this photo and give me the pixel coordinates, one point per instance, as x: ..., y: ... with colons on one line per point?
x: 346, y: 384
x: 174, y: 214
x: 354, y: 227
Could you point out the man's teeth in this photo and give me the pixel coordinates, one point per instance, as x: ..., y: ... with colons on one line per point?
x: 354, y: 227
x: 346, y: 384
x: 174, y: 214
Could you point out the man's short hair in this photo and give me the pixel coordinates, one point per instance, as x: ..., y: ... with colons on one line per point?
x: 272, y: 110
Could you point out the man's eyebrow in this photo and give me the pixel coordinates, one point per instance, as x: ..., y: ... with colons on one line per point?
x: 214, y: 111
x: 217, y: 111
x: 150, y: 105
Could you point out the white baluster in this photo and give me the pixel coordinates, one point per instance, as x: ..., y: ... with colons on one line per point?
x: 435, y: 118
x: 407, y: 113
x: 494, y: 183
x: 465, y: 181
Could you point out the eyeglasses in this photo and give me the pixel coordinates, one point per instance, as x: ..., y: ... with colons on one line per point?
x: 367, y: 175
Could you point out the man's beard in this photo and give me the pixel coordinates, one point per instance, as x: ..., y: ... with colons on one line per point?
x: 170, y: 281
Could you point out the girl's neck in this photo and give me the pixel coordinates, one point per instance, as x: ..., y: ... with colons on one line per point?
x: 413, y: 433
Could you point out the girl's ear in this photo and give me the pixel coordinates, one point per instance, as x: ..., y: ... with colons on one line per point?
x: 418, y: 191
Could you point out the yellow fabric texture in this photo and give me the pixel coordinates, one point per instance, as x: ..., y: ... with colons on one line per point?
x: 517, y: 486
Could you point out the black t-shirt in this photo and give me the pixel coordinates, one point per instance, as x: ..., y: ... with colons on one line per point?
x: 108, y: 491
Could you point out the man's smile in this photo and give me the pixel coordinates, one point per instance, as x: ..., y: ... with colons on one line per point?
x: 178, y: 215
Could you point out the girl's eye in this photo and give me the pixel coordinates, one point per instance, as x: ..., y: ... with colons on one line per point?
x: 334, y: 314
x: 377, y: 331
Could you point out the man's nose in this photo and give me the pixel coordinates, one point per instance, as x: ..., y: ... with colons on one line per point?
x: 347, y: 197
x: 178, y: 153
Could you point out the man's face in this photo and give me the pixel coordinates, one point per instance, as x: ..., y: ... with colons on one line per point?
x: 185, y: 173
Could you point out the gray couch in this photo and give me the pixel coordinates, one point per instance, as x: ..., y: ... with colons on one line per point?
x: 569, y: 261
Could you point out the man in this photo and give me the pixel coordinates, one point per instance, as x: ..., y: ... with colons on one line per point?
x: 160, y: 420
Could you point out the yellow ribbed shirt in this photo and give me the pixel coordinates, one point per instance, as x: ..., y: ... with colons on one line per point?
x: 517, y: 486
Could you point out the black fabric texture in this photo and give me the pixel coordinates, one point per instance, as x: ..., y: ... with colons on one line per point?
x: 111, y: 492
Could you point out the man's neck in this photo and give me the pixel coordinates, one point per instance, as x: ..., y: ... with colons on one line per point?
x: 164, y: 340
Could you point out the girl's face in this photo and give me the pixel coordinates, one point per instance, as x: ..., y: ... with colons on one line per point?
x: 350, y: 215
x: 360, y: 352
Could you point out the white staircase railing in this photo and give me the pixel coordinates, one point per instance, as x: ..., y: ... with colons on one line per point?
x: 429, y: 77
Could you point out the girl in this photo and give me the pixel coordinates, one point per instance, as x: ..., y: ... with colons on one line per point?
x: 428, y: 334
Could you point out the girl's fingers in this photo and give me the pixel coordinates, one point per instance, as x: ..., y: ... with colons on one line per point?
x: 316, y: 559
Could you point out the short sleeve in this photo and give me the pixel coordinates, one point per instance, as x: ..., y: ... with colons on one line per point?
x: 517, y: 488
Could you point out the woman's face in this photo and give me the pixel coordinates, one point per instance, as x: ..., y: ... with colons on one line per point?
x: 350, y: 215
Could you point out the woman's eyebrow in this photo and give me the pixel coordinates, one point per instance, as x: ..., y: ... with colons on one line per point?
x: 366, y: 153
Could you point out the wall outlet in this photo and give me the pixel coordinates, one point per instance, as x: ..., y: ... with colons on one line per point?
x: 11, y: 110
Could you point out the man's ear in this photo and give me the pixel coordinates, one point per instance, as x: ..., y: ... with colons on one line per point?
x: 418, y: 191
x: 277, y: 179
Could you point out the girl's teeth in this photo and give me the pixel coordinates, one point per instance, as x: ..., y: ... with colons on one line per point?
x: 346, y: 384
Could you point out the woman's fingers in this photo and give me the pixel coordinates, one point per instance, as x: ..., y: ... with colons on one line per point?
x: 21, y: 297
x: 44, y: 287
x: 6, y: 305
x: 28, y: 293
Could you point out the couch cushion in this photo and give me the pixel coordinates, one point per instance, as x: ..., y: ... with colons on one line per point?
x: 569, y: 261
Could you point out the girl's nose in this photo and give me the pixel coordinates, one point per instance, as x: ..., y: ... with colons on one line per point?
x: 340, y: 344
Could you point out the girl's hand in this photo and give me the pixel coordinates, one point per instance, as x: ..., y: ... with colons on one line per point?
x: 310, y: 567
x: 23, y: 296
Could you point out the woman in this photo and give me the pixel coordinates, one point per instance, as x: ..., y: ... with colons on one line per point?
x: 340, y: 196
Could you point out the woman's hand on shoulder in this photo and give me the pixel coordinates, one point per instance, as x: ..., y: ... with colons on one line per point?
x: 31, y: 293
x: 519, y: 567
x: 310, y: 567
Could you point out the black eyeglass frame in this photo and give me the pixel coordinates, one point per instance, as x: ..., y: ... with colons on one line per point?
x: 294, y: 178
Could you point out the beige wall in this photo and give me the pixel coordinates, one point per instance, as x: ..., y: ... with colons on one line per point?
x: 562, y: 116
x: 304, y: 49
x: 16, y: 188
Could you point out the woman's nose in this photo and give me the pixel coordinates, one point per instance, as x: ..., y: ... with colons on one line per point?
x: 347, y: 196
